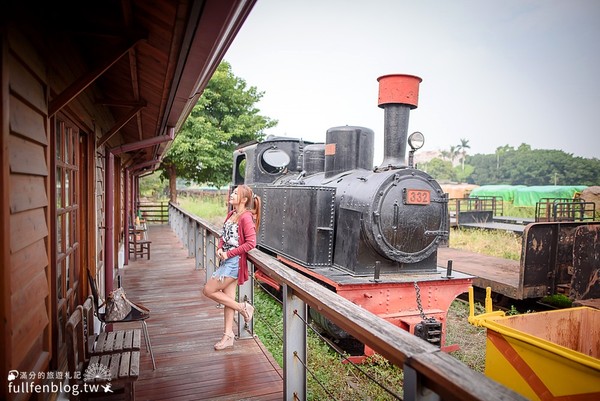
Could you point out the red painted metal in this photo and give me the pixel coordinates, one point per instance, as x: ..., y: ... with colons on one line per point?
x: 263, y: 278
x: 399, y: 89
x: 396, y: 300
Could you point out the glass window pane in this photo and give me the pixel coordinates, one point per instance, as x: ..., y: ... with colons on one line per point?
x: 74, y: 228
x: 74, y: 149
x: 58, y: 139
x: 67, y: 231
x: 59, y: 228
x: 67, y: 263
x: 59, y: 180
x: 73, y: 188
x: 59, y: 280
x: 66, y: 145
x: 67, y: 188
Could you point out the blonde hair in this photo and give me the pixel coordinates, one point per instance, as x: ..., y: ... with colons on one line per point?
x: 253, y: 202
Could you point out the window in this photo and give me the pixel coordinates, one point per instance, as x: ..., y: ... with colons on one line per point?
x: 67, y: 210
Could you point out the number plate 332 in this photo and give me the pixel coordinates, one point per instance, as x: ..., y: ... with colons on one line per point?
x: 417, y: 197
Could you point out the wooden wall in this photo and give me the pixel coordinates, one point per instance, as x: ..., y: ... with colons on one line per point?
x: 26, y: 312
x: 4, y: 214
x: 27, y: 243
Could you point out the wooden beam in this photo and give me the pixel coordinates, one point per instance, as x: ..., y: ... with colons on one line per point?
x: 86, y: 80
x: 119, y: 124
x: 121, y: 103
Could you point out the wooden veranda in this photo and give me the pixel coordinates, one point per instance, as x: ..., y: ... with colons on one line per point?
x: 183, y: 327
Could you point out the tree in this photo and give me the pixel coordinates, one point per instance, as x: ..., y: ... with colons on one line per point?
x: 224, y: 117
x: 439, y: 169
x: 462, y: 149
x: 526, y: 166
x: 449, y: 155
x: 464, y: 173
x: 153, y: 186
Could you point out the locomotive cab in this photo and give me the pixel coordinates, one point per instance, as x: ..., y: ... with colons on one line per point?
x: 264, y: 162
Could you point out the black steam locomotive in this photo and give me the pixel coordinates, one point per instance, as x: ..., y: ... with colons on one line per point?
x: 369, y: 233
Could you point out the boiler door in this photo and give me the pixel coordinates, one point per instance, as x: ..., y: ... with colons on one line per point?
x: 407, y: 218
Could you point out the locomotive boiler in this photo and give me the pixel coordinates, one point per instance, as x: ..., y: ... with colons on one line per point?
x: 369, y: 233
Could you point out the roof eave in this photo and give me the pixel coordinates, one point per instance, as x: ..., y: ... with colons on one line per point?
x: 211, y: 28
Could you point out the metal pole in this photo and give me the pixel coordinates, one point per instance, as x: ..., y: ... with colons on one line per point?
x: 294, y: 346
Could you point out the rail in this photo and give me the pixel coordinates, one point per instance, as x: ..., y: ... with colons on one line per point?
x: 494, y: 204
x: 564, y: 209
x: 154, y: 212
x: 429, y: 374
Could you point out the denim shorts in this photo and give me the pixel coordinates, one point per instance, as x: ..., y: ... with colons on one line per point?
x: 227, y: 268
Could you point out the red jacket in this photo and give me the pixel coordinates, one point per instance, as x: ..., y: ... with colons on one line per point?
x: 247, y: 241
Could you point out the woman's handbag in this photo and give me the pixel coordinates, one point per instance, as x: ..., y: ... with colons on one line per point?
x: 117, y: 306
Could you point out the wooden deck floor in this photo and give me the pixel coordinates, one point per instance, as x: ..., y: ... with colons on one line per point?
x: 183, y: 327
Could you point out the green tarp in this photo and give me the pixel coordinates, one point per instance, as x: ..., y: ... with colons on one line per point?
x: 522, y: 195
x: 529, y: 196
x: 506, y: 192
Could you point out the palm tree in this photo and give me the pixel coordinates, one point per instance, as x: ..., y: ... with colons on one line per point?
x: 445, y: 155
x: 453, y: 153
x: 462, y: 148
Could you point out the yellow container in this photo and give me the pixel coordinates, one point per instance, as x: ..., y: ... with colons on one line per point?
x: 545, y: 355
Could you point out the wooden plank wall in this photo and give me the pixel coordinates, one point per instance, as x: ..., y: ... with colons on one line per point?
x: 27, y: 304
x: 4, y: 213
x: 27, y: 301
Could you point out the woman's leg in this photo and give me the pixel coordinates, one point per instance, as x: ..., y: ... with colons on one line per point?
x: 223, y: 291
x: 214, y: 289
x: 229, y: 290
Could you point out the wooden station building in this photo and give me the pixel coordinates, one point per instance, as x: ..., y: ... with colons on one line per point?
x: 92, y: 95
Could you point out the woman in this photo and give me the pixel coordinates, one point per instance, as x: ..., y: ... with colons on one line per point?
x: 239, y: 236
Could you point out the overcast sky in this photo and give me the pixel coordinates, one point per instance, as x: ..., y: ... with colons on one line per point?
x: 495, y: 72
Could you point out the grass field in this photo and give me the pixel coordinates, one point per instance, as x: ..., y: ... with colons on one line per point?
x: 501, y: 244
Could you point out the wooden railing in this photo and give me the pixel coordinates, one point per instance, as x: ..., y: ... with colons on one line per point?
x: 154, y: 212
x: 429, y: 374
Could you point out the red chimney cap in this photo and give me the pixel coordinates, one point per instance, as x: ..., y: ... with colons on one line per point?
x: 399, y: 88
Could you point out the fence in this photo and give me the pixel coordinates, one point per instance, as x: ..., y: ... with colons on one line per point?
x: 494, y: 204
x: 429, y: 374
x: 564, y: 209
x: 154, y: 212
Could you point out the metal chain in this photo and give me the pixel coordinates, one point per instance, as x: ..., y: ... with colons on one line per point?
x: 419, y: 305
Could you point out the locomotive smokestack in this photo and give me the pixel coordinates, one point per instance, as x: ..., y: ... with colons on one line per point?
x: 398, y: 93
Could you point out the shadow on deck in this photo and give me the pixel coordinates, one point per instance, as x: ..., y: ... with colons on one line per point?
x: 183, y: 326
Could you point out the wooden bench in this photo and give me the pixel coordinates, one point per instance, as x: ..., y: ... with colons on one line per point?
x: 107, y: 342
x: 139, y: 313
x: 107, y: 370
